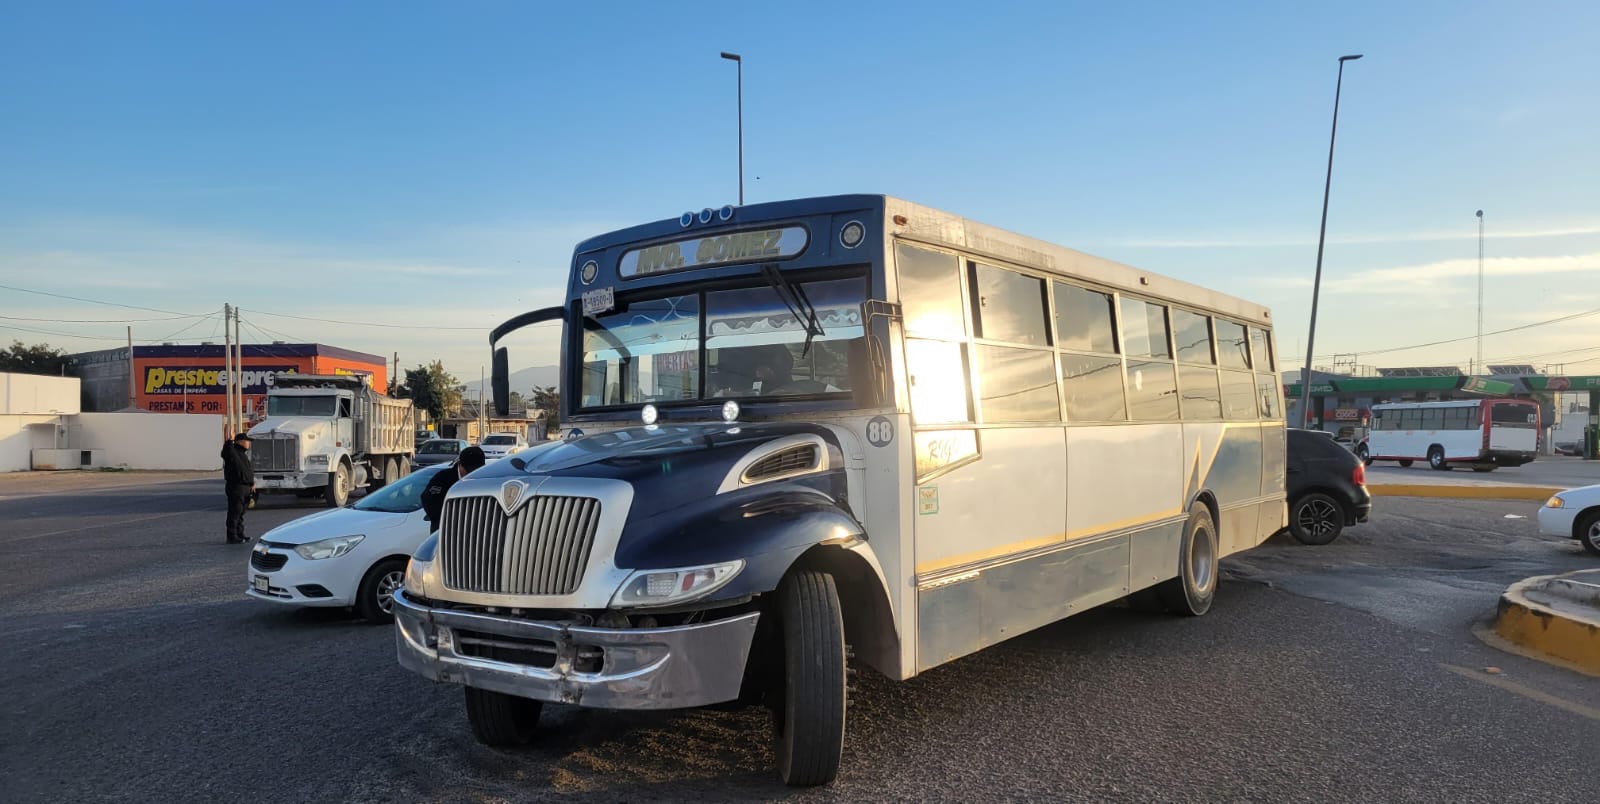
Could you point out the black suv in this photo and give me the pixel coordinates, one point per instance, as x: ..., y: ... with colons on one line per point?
x: 1327, y: 488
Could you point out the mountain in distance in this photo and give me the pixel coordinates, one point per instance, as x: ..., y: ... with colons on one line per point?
x: 524, y: 381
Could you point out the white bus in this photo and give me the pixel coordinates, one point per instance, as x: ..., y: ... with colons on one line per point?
x: 1482, y: 433
x: 808, y: 429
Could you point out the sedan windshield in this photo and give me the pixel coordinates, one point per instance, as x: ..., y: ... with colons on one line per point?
x: 440, y: 447
x: 401, y: 497
x: 496, y: 441
x: 754, y: 345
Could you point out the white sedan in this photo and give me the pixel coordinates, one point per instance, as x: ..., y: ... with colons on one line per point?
x: 1575, y: 514
x: 498, y: 445
x: 353, y: 557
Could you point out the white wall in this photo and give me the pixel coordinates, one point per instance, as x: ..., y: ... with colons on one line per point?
x: 18, y: 439
x: 151, y: 440
x: 35, y: 394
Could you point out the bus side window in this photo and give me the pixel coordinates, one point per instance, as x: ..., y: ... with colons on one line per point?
x: 937, y: 373
x: 930, y: 292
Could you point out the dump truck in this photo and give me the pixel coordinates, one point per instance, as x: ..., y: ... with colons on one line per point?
x: 329, y: 435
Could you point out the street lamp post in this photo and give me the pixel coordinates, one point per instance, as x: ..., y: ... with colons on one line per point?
x: 739, y: 62
x: 1480, y: 294
x: 1322, y: 234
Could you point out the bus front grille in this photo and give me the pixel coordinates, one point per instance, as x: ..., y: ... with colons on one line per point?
x: 540, y: 549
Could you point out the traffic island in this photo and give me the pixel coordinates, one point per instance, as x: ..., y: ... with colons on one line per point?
x: 1481, y: 491
x: 1556, y: 615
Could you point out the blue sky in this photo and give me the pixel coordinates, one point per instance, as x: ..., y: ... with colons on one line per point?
x: 431, y: 165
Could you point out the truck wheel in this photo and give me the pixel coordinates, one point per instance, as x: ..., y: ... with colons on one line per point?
x: 1190, y: 594
x: 1316, y: 519
x: 375, y: 595
x: 391, y: 473
x: 338, y: 489
x: 808, y: 715
x: 500, y: 720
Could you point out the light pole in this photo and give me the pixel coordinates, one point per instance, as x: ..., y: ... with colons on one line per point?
x: 739, y: 62
x: 1481, y: 367
x: 1322, y: 234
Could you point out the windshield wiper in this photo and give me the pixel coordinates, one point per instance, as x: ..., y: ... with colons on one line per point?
x: 794, y: 297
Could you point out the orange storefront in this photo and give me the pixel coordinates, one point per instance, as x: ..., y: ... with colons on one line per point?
x: 179, y: 379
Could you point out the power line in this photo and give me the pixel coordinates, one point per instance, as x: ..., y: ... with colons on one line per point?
x: 97, y: 301
x: 98, y: 320
x: 185, y: 329
x: 367, y: 323
x: 1560, y: 320
x: 37, y: 331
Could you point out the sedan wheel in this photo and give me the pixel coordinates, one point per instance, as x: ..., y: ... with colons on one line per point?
x: 375, y: 597
x: 1316, y: 519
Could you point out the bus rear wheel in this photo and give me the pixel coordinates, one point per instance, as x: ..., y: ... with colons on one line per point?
x: 1484, y: 467
x: 1190, y: 594
x: 1405, y: 464
x: 808, y: 713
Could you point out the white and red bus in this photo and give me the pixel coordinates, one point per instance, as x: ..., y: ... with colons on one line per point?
x: 1482, y: 433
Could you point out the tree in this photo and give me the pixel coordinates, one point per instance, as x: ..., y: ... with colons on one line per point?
x: 516, y: 400
x: 434, y: 390
x: 37, y: 359
x: 548, y: 399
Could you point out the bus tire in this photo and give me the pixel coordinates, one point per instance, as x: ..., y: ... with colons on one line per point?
x: 808, y: 714
x: 1587, y: 530
x: 1364, y: 454
x: 1436, y: 458
x: 1405, y: 464
x: 499, y: 720
x: 1190, y: 594
x: 1484, y: 467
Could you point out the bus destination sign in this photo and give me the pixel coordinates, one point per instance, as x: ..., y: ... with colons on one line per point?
x: 699, y: 252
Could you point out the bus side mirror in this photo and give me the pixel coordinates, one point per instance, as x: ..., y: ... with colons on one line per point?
x: 501, y: 383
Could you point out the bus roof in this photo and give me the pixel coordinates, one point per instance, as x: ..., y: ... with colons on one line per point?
x: 1450, y: 403
x: 935, y: 227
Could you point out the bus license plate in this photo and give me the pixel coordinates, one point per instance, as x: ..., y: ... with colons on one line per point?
x: 261, y: 583
x: 599, y: 300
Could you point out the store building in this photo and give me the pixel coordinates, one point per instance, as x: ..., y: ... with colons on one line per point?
x: 173, y: 378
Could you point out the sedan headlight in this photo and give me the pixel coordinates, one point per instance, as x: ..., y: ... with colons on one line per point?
x: 1555, y: 502
x: 328, y: 548
x: 662, y: 587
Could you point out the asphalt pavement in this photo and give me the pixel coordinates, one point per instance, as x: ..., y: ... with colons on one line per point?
x: 135, y: 669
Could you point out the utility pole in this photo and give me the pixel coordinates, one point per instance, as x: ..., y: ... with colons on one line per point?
x: 227, y: 367
x: 1316, y: 284
x: 133, y: 386
x: 394, y: 376
x: 238, y: 365
x: 483, y: 418
x: 1481, y: 367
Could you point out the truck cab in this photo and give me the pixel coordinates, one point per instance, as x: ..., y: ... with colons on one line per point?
x: 328, y: 436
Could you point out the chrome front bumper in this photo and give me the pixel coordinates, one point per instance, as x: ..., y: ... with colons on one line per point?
x: 639, y: 668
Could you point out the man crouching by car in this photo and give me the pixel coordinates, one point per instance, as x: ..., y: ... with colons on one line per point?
x: 433, y: 496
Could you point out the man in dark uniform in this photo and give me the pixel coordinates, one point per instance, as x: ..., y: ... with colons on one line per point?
x: 433, y: 496
x: 239, y: 480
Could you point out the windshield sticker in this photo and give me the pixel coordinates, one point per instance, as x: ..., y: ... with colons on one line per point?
x: 927, y: 500
x: 698, y: 252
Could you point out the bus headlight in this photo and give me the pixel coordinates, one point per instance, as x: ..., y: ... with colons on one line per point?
x: 852, y: 234
x: 661, y: 587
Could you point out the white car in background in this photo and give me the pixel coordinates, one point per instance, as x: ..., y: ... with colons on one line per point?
x: 353, y: 557
x: 499, y: 445
x: 1574, y: 514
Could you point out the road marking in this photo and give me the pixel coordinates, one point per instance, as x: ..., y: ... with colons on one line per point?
x: 15, y: 539
x: 1525, y: 691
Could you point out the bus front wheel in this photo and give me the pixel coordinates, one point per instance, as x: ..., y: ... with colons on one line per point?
x: 1436, y: 458
x: 1190, y: 594
x: 808, y: 713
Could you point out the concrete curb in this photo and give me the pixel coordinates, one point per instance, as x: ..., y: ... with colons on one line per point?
x: 1502, y: 492
x: 1564, y: 620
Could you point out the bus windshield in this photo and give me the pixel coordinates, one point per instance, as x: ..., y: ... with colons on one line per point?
x: 754, y: 345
